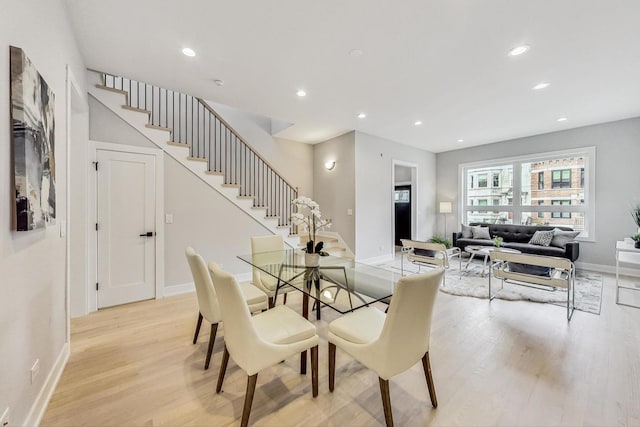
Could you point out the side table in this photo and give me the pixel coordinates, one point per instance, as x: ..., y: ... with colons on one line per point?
x: 626, y: 253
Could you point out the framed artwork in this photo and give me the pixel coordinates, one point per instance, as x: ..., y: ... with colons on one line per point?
x: 33, y: 134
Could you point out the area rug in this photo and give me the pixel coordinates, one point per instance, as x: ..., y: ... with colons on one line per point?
x: 470, y: 283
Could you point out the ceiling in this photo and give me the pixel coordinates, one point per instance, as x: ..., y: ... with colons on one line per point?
x: 444, y: 63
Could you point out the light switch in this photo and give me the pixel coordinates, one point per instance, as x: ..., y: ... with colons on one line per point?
x: 168, y: 218
x: 349, y: 211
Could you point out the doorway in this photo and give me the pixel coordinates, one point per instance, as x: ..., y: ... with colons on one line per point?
x: 127, y: 209
x: 405, y: 200
x: 402, y: 207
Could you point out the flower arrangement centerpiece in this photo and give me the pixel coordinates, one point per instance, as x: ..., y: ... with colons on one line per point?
x: 635, y: 214
x: 309, y: 217
x: 497, y: 241
x: 636, y: 238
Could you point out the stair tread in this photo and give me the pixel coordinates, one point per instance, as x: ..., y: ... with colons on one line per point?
x: 138, y: 110
x: 198, y: 159
x: 231, y: 185
x: 150, y: 126
x: 111, y: 89
x: 178, y: 144
x: 214, y: 173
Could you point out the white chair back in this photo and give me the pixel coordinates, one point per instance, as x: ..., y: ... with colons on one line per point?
x: 240, y: 335
x: 404, y: 338
x: 207, y: 299
x: 269, y: 243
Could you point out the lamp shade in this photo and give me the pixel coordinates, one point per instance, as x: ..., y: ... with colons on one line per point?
x: 446, y: 207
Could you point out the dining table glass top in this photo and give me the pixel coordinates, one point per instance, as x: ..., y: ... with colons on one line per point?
x: 339, y: 283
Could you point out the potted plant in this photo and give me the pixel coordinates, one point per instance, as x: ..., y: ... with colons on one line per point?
x: 636, y: 238
x: 441, y: 240
x: 309, y: 217
x: 497, y: 241
x: 635, y: 214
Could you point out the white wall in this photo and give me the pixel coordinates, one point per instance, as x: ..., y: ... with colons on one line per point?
x: 335, y: 189
x: 32, y: 264
x: 617, y: 181
x: 374, y: 193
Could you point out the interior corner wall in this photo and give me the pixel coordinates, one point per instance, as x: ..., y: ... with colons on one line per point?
x: 334, y: 190
x: 33, y: 316
x: 374, y: 193
x: 616, y: 174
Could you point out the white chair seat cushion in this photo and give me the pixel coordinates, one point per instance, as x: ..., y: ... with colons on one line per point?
x: 281, y: 325
x: 256, y: 299
x: 359, y: 327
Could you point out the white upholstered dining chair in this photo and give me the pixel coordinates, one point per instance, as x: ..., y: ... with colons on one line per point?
x: 266, y: 282
x: 393, y: 342
x: 208, y: 306
x: 263, y: 340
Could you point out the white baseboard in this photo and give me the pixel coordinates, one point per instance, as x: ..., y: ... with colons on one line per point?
x: 610, y: 269
x: 185, y: 288
x: 42, y: 401
x: 377, y: 260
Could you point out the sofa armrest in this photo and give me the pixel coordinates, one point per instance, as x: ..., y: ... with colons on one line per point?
x: 572, y: 250
x: 455, y: 236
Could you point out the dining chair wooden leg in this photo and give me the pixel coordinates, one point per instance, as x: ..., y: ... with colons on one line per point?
x: 248, y: 399
x: 332, y: 366
x: 212, y: 338
x: 284, y: 299
x: 303, y: 362
x: 386, y: 401
x: 314, y: 371
x: 271, y: 302
x: 427, y: 373
x: 195, y: 336
x: 223, y: 369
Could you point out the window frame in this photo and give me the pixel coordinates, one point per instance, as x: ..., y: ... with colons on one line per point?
x: 516, y: 208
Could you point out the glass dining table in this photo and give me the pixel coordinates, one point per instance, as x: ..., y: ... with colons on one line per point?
x: 339, y: 283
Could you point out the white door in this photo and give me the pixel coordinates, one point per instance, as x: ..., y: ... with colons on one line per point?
x: 126, y: 214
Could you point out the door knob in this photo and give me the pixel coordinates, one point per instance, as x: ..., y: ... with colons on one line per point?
x: 147, y: 234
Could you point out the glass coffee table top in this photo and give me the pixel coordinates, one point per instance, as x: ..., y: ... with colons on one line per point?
x: 484, y: 251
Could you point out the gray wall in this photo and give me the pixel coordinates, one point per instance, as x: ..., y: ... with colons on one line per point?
x: 33, y: 317
x: 335, y: 189
x: 374, y: 193
x: 617, y: 180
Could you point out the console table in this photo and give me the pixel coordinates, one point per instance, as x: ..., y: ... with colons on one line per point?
x: 626, y: 253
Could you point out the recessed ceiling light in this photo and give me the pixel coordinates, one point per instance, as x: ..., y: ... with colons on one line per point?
x: 188, y: 51
x: 461, y: 140
x: 362, y: 115
x: 417, y: 123
x: 540, y: 85
x: 519, y: 50
x: 356, y: 52
x: 301, y: 93
x: 562, y: 119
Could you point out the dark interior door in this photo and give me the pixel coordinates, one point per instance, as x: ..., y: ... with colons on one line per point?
x: 402, y: 198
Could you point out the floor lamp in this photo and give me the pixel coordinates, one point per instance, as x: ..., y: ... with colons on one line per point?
x: 445, y: 208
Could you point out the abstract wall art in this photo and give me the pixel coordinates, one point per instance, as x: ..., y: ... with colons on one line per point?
x: 33, y: 131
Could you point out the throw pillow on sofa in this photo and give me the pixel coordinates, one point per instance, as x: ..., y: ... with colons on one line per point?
x: 542, y: 238
x: 467, y: 233
x: 561, y: 237
x: 480, y: 232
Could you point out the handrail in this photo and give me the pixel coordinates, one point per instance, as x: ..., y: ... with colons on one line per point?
x: 244, y: 141
x: 194, y: 122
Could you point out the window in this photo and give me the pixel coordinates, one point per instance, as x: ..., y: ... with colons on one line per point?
x: 556, y: 214
x: 471, y: 181
x: 402, y: 196
x: 523, y: 197
x: 496, y: 179
x: 540, y: 180
x: 561, y: 178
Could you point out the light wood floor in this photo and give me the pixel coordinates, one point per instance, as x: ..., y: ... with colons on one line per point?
x: 500, y: 363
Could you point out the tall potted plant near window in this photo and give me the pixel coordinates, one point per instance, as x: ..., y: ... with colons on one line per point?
x: 308, y: 216
x: 635, y: 214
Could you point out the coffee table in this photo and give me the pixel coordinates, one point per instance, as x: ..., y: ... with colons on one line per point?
x: 484, y: 251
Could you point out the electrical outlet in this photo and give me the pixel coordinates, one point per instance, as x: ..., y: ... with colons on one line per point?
x: 4, y: 420
x: 168, y: 218
x: 35, y: 369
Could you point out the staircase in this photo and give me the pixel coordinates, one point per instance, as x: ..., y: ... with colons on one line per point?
x: 190, y: 131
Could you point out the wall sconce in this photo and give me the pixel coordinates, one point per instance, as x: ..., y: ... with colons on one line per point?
x: 446, y: 208
x: 330, y: 165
